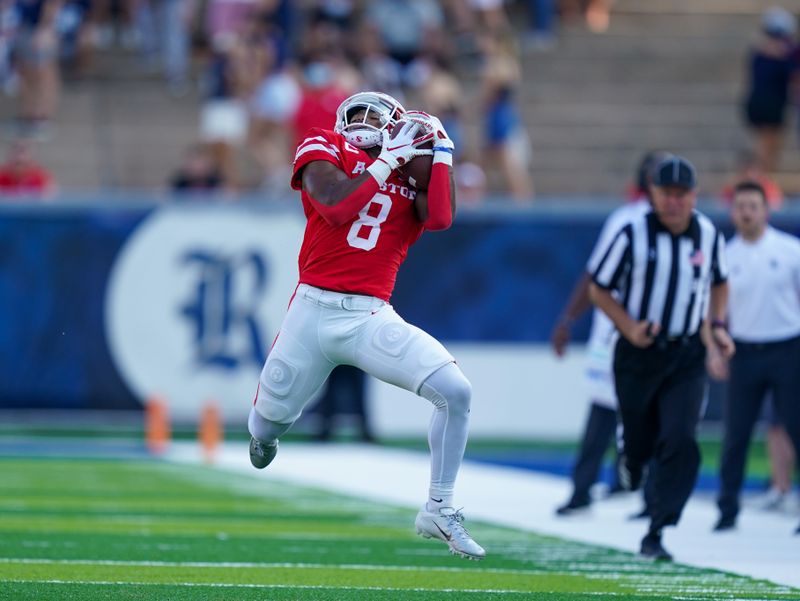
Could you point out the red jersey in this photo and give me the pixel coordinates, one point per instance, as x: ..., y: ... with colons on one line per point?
x: 363, y: 255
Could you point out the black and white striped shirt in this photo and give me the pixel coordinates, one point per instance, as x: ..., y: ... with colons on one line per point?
x: 663, y: 278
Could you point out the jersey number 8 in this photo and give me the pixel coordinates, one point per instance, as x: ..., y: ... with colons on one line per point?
x: 372, y: 222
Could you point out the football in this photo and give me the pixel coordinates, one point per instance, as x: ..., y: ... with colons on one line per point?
x: 417, y: 171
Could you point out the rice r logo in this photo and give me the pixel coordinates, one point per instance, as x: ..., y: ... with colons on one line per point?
x: 194, y: 299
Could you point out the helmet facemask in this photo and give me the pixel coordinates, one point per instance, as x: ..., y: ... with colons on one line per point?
x: 360, y: 133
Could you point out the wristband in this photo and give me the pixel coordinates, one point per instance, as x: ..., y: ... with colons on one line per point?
x: 380, y: 170
x: 443, y: 155
x: 719, y: 323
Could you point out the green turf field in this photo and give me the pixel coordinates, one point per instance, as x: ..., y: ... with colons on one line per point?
x: 123, y: 529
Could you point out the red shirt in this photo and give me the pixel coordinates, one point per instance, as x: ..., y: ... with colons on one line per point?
x: 363, y: 255
x: 33, y: 180
x: 317, y: 108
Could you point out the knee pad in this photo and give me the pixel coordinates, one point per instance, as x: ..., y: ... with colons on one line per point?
x: 277, y: 381
x: 278, y: 377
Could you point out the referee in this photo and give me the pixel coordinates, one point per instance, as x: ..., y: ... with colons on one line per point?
x: 663, y: 282
x: 765, y: 323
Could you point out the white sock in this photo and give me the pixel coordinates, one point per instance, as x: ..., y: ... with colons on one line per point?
x: 437, y: 500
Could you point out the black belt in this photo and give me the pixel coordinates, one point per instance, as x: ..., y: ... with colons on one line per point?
x: 762, y: 346
x: 669, y: 342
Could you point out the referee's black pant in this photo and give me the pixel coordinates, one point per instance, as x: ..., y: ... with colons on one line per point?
x: 660, y: 391
x: 597, y: 436
x: 754, y: 370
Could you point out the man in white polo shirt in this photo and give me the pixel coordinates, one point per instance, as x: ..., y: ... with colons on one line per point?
x: 764, y: 320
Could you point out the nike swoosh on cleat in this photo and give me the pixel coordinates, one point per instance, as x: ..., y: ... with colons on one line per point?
x: 446, y: 536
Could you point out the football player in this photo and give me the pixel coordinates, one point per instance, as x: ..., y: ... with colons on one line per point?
x: 361, y: 219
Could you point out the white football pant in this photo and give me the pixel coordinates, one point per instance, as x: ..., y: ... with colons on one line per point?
x: 323, y: 329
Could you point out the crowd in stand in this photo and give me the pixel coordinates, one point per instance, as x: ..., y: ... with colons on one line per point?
x: 267, y: 70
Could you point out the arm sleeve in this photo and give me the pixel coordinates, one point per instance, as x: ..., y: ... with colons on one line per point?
x: 719, y: 261
x: 440, y: 212
x: 614, y: 262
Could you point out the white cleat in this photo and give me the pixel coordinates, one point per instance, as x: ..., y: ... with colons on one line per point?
x: 446, y: 526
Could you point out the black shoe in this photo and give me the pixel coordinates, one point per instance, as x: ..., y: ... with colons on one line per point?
x: 652, y: 548
x: 261, y: 455
x: 574, y: 506
x: 725, y: 523
x: 643, y: 514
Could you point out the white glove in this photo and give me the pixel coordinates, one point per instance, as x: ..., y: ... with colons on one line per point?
x: 404, y: 146
x: 400, y: 149
x: 442, y: 141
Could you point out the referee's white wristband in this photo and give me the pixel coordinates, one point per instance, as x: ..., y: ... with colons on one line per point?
x: 380, y: 170
x: 443, y: 155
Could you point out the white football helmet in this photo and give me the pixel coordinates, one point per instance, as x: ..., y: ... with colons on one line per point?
x: 360, y: 133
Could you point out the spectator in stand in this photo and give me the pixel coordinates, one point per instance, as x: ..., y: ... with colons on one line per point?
x: 321, y: 96
x: 338, y: 12
x: 749, y: 169
x: 327, y: 79
x: 491, y: 14
x: 405, y: 26
x: 541, y: 33
x: 229, y: 83
x: 440, y: 93
x: 164, y: 28
x: 36, y: 50
x: 470, y: 182
x: 770, y: 70
x: 21, y: 175
x: 8, y: 31
x: 272, y: 108
x: 198, y: 174
x: 75, y: 30
x: 596, y: 12
x: 508, y: 146
x: 225, y: 19
x: 380, y: 71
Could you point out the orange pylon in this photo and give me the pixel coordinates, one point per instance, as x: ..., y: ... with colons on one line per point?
x: 210, y: 431
x: 157, y: 430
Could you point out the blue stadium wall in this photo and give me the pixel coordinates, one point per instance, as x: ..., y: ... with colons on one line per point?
x: 496, y: 278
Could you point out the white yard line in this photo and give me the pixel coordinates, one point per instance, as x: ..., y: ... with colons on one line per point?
x: 298, y: 586
x: 763, y: 546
